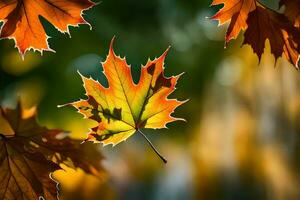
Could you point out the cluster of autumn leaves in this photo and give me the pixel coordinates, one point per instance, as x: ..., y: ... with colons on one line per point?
x: 261, y: 23
x: 29, y: 153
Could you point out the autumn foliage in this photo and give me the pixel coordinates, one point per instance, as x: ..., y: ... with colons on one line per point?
x: 29, y: 153
x: 261, y: 23
x: 22, y: 20
x: 124, y: 108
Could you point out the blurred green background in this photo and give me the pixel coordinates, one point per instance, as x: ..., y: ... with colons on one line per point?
x: 241, y: 139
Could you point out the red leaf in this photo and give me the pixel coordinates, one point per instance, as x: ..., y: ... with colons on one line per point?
x: 284, y: 38
x: 29, y: 153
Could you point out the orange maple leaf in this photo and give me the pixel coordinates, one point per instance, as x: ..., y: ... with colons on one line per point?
x: 22, y: 23
x: 29, y: 153
x: 235, y: 11
x: 124, y: 107
x: 261, y: 23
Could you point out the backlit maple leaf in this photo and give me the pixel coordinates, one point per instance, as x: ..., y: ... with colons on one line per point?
x: 29, y: 153
x: 22, y: 22
x: 260, y: 24
x: 124, y: 107
x: 284, y: 38
x: 235, y: 11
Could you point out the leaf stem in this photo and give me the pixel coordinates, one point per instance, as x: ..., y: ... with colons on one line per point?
x: 152, y: 146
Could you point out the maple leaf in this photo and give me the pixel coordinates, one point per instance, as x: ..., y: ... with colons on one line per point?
x: 261, y: 23
x: 235, y: 11
x: 292, y: 10
x: 124, y: 107
x: 284, y: 38
x: 29, y: 153
x: 22, y: 23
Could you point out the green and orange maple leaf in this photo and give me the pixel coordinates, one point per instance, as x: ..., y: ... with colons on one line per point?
x: 29, y: 153
x: 124, y: 107
x: 261, y: 23
x: 22, y: 22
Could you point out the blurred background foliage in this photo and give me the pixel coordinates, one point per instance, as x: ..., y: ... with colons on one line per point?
x: 241, y: 139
